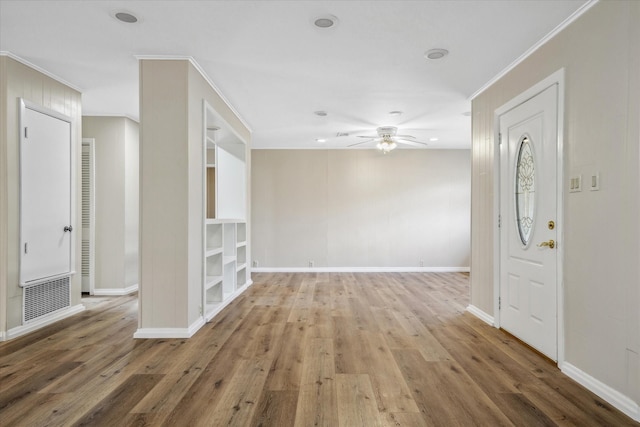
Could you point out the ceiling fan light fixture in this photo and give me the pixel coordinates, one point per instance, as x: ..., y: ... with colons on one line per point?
x: 387, y: 144
x: 436, y: 53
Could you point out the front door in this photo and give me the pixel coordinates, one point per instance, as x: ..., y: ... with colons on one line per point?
x: 528, y: 216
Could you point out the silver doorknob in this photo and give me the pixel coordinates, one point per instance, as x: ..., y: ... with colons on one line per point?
x: 68, y: 228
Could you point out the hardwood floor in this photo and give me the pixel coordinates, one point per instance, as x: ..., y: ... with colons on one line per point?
x: 392, y: 349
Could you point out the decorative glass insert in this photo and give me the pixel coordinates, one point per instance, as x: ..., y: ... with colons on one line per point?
x: 525, y: 190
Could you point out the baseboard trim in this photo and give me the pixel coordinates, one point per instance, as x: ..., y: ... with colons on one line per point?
x: 42, y: 322
x: 360, y: 270
x: 614, y: 397
x: 151, y: 333
x: 481, y: 314
x: 115, y: 291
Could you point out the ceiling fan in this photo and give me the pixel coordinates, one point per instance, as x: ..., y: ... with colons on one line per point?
x: 387, y: 139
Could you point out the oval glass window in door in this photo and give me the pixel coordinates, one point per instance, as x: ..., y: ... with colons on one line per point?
x: 525, y: 190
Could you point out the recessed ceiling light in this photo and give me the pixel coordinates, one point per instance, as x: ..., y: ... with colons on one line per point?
x: 321, y: 140
x: 466, y: 113
x: 325, y: 21
x: 126, y: 17
x: 320, y: 113
x: 433, y: 139
x: 395, y: 113
x: 436, y: 53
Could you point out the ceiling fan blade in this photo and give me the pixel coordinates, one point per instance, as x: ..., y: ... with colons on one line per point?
x: 369, y: 136
x: 405, y: 136
x: 359, y: 143
x: 413, y: 143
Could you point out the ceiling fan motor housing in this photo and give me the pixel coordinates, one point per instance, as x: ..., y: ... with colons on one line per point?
x: 387, y: 131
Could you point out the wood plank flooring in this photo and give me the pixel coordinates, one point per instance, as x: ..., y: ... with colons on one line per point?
x: 326, y: 349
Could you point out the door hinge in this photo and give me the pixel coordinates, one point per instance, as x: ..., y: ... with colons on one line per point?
x: 499, y: 221
x: 499, y: 139
x: 499, y: 303
x: 25, y: 248
x: 26, y: 132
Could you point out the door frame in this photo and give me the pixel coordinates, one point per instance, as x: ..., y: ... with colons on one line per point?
x: 23, y: 105
x: 557, y: 78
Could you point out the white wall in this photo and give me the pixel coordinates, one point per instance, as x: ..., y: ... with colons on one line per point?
x: 20, y: 81
x: 171, y: 192
x: 601, y: 56
x: 360, y: 208
x: 131, y: 202
x: 116, y: 198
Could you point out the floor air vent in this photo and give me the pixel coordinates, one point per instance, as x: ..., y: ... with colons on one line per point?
x: 45, y: 298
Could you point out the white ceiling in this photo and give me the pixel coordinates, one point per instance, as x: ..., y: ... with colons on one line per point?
x: 276, y: 68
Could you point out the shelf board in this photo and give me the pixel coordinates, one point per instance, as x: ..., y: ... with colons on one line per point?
x: 211, y: 165
x: 223, y: 220
x: 241, y: 244
x: 241, y: 267
x: 212, y: 251
x: 212, y: 281
x: 228, y: 259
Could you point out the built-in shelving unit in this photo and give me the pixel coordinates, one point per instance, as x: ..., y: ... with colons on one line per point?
x: 225, y: 273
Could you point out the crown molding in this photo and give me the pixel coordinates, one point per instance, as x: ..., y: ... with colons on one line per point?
x: 203, y: 74
x: 564, y: 24
x: 40, y: 70
x: 127, y: 116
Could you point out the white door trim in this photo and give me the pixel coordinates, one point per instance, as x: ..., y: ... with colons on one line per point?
x: 559, y: 79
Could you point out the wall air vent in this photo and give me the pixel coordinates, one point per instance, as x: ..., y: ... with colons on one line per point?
x: 45, y: 298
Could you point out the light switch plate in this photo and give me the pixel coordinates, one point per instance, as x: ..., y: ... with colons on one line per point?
x: 575, y: 184
x: 594, y: 183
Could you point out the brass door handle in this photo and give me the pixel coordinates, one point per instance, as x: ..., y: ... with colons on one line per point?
x: 551, y: 244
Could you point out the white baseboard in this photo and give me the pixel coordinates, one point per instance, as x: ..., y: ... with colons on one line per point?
x: 42, y: 322
x: 195, y: 326
x: 170, y: 332
x: 360, y: 270
x: 614, y: 397
x: 115, y: 291
x: 481, y: 314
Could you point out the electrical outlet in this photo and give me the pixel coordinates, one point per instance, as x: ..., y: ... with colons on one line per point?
x: 310, y: 264
x: 255, y: 263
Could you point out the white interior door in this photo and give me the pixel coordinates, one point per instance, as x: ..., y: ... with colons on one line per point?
x: 528, y: 213
x: 45, y: 195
